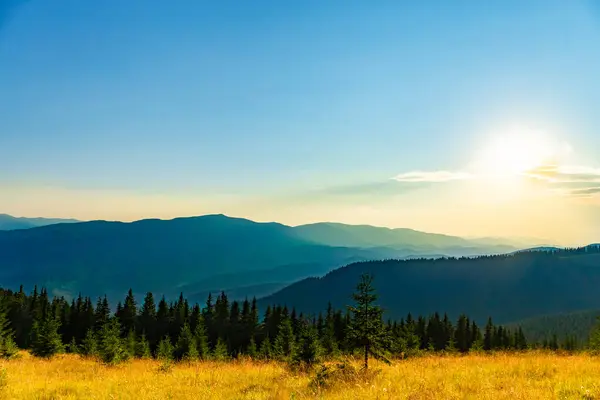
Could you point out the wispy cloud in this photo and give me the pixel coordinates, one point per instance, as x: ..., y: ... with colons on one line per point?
x: 565, y: 174
x: 588, y: 192
x: 574, y: 181
x: 432, y: 176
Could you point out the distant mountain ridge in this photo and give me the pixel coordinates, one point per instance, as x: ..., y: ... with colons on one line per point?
x: 197, y: 254
x: 8, y: 222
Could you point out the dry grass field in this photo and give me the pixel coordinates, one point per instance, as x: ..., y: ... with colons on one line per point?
x: 500, y: 376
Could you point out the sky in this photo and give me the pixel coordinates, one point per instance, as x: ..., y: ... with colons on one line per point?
x: 467, y: 117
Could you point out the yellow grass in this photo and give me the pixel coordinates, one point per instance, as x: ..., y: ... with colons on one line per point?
x: 500, y: 376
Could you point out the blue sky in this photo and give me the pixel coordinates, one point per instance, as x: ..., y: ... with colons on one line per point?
x: 295, y: 111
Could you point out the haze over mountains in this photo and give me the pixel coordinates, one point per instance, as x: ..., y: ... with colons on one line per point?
x: 8, y: 222
x: 201, y: 254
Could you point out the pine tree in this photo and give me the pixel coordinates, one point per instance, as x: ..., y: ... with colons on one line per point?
x: 366, y: 328
x: 147, y: 319
x: 309, y: 350
x: 488, y: 337
x: 185, y: 348
x: 89, y: 345
x: 164, y: 351
x: 594, y: 342
x: 47, y: 341
x: 163, y: 319
x: 462, y: 334
x: 201, y: 339
x: 72, y: 348
x: 284, y: 346
x: 8, y: 348
x: 142, y: 348
x: 127, y: 315
x: 220, y: 351
x: 266, y: 350
x: 221, y: 317
x: 131, y: 343
x: 521, y: 341
x: 112, y: 349
x: 208, y: 313
x: 252, y: 352
x: 328, y: 340
x: 102, y: 314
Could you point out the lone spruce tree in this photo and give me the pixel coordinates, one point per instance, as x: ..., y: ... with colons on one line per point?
x: 366, y: 329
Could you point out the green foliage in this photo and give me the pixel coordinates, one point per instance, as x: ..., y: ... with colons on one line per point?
x: 251, y: 351
x: 46, y: 339
x: 220, y: 351
x: 72, y: 347
x: 5, y: 329
x: 366, y: 327
x: 89, y: 345
x: 142, y: 348
x: 266, y: 350
x: 165, y: 349
x: 112, y: 348
x: 595, y: 338
x: 185, y: 348
x: 284, y: 346
x: 309, y: 351
x: 131, y: 343
x: 8, y: 348
x: 201, y: 339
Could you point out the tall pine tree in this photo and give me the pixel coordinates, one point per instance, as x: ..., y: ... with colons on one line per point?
x: 366, y: 329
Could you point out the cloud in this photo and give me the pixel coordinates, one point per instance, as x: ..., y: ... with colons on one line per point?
x: 573, y: 181
x: 565, y: 174
x: 587, y: 192
x: 432, y: 176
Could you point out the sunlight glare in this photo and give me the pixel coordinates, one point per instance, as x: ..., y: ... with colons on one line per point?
x: 514, y: 153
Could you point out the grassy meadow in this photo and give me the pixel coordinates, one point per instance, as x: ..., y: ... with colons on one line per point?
x: 530, y: 375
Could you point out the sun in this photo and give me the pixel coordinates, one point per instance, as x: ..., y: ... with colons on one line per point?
x: 514, y: 153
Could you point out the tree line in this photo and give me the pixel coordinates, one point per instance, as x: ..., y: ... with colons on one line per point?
x: 222, y: 329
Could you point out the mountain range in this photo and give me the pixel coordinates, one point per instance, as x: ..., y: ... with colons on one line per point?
x: 8, y: 222
x: 201, y: 254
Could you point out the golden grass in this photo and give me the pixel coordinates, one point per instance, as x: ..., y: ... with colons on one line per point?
x: 500, y: 376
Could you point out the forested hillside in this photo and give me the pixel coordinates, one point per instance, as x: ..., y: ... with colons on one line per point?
x: 508, y: 287
x: 576, y: 325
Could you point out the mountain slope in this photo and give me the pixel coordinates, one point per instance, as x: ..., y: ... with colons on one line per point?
x: 409, y: 241
x: 335, y: 234
x: 8, y: 222
x: 198, y: 254
x: 98, y: 257
x: 508, y: 288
